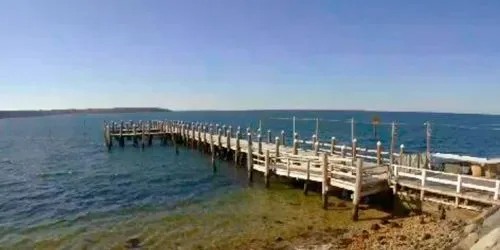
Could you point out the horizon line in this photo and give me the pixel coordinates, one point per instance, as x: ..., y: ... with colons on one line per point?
x: 254, y: 110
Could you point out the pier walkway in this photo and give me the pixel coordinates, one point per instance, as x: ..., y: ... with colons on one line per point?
x: 360, y: 171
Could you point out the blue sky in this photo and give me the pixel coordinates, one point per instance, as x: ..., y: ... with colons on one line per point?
x: 260, y: 54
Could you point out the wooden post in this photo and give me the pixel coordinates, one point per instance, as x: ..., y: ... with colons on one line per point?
x: 228, y: 141
x: 212, y: 150
x: 497, y: 190
x: 199, y: 137
x: 419, y: 159
x: 459, y: 188
x: 324, y: 186
x: 283, y: 139
x: 219, y: 139
x: 295, y: 147
x: 193, y: 135
x: 396, y: 177
x: 393, y: 142
x: 277, y: 142
x: 354, y: 149
x: 308, y: 176
x: 401, y: 154
x: 269, y: 138
x: 428, y: 142
x: 237, y: 151
x: 316, y: 148
x: 267, y: 162
x: 134, y: 135
x: 250, y: 159
x: 143, y: 138
x: 357, y: 189
x: 332, y: 149
x: 107, y: 136
x: 379, y: 153
x: 317, y: 128
x: 121, y: 141
x: 150, y: 136
x: 352, y: 129
x: 422, y: 184
x: 259, y: 137
x: 342, y: 151
x: 204, y: 135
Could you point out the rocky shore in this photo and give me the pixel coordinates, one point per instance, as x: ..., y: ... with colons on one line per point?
x: 439, y: 228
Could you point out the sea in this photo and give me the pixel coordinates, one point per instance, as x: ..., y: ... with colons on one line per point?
x: 60, y: 188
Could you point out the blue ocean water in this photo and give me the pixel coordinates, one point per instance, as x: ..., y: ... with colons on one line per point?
x: 56, y: 173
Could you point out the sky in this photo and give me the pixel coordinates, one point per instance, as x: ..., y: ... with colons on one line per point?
x: 396, y: 55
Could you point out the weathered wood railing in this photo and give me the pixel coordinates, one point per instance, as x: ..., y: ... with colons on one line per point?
x: 459, y: 186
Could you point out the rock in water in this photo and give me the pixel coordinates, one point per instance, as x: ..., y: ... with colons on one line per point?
x: 384, y: 222
x: 133, y: 243
x: 365, y: 234
x: 395, y: 225
x: 375, y: 227
x: 426, y: 236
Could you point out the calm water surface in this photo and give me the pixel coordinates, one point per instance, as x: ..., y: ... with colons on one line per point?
x: 60, y: 188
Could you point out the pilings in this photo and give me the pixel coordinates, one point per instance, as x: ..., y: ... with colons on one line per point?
x: 357, y: 189
x: 324, y: 183
x: 250, y: 158
x: 267, y: 163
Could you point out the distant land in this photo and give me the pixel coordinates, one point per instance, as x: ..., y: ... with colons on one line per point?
x: 32, y: 113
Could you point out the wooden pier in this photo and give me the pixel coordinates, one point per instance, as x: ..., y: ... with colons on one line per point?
x: 360, y: 171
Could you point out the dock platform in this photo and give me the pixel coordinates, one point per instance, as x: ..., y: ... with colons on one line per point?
x: 360, y: 171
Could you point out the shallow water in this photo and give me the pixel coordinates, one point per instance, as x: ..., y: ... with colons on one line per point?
x: 59, y: 187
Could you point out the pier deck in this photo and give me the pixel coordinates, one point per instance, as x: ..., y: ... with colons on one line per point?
x: 358, y: 170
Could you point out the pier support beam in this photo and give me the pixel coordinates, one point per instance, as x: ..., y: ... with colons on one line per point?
x: 121, y: 139
x: 379, y: 153
x: 212, y: 151
x: 107, y: 138
x: 277, y: 142
x: 324, y: 183
x: 237, y: 149
x: 267, y: 162
x: 332, y: 149
x: 259, y: 149
x: 143, y: 137
x: 250, y: 159
x: 295, y: 150
x: 357, y: 189
x: 306, y: 182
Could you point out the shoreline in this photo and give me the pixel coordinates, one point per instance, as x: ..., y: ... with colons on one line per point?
x: 256, y: 218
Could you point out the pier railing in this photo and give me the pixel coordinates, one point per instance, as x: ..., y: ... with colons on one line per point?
x: 458, y: 186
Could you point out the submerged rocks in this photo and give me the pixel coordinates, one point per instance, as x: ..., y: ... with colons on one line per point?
x: 395, y: 225
x: 133, y: 243
x: 426, y: 236
x: 375, y: 227
x: 384, y: 222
